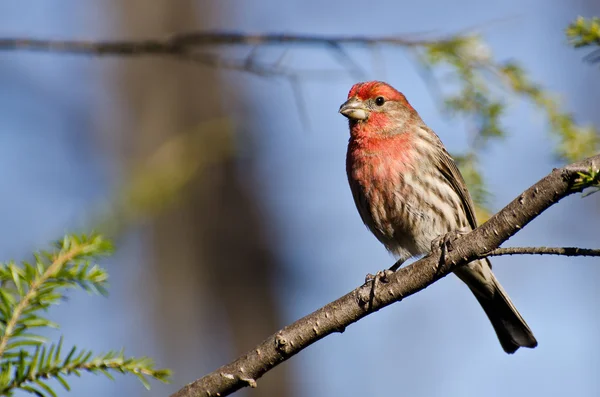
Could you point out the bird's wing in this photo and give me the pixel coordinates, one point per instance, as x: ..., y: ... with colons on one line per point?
x: 450, y: 171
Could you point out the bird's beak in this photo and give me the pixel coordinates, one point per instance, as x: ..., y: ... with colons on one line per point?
x: 354, y: 109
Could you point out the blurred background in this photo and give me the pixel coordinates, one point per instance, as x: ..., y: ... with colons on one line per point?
x: 227, y: 197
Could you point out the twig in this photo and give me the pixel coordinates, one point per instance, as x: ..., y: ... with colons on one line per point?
x: 185, y: 42
x: 192, y: 46
x: 563, y: 251
x: 337, y: 315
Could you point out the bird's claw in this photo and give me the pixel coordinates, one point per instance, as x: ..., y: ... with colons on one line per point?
x: 382, y: 275
x: 369, y: 278
x: 444, y: 242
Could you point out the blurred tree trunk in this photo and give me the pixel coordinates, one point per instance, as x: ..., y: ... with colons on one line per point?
x: 208, y: 280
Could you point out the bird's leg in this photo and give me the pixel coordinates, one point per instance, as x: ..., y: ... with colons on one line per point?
x: 397, y: 265
x: 445, y: 242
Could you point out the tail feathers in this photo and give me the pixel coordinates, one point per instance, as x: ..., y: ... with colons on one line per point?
x: 512, y: 331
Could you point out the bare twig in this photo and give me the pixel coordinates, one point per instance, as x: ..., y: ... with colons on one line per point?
x: 186, y: 42
x: 562, y: 251
x: 337, y: 315
x: 193, y: 46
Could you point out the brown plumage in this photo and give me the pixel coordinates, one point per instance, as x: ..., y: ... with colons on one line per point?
x: 408, y: 192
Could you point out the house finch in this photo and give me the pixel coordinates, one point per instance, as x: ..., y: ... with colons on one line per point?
x: 409, y: 193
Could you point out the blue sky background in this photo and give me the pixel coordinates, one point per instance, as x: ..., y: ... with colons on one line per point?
x: 438, y: 342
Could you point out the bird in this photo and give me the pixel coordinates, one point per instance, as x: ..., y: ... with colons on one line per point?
x: 410, y: 193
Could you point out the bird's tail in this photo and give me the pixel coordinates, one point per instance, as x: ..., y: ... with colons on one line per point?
x: 512, y: 331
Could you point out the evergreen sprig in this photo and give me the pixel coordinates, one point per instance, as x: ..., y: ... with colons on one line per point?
x: 27, y: 290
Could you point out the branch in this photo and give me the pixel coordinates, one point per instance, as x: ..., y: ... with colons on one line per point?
x: 185, y: 42
x: 463, y: 54
x: 370, y: 297
x: 563, y: 251
x: 191, y: 46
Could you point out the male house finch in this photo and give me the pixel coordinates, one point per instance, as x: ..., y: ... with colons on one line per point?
x: 409, y: 192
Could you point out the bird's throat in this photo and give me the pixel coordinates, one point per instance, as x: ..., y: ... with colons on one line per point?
x: 378, y: 159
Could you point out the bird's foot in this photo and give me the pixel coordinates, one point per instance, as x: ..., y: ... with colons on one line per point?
x: 382, y: 275
x: 444, y: 242
x: 368, y: 298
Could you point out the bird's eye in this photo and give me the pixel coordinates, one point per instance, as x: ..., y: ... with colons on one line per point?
x: 379, y: 101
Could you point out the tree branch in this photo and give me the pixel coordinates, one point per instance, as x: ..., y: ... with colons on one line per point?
x: 563, y: 251
x: 185, y: 42
x: 192, y: 46
x: 383, y: 291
